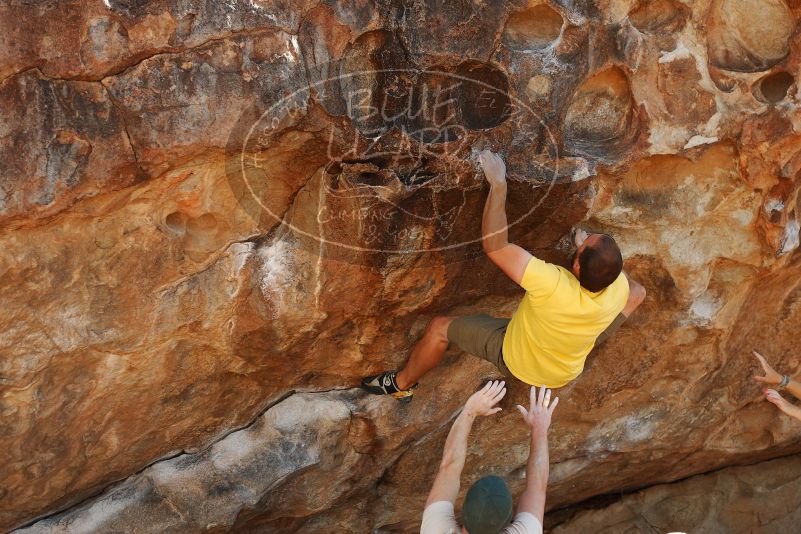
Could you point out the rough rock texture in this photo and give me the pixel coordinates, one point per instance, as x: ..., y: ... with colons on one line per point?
x: 756, y: 498
x: 216, y: 217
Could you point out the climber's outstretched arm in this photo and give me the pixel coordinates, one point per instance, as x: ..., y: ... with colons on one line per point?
x: 494, y: 228
x: 482, y: 402
x: 538, y: 418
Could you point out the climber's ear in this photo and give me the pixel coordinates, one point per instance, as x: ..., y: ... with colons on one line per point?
x: 575, y: 267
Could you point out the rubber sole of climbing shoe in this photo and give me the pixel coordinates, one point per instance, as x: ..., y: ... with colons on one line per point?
x: 404, y: 396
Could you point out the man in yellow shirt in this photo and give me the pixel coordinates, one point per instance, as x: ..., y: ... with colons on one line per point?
x: 562, y: 316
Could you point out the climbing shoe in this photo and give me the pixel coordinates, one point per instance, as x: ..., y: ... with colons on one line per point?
x: 385, y: 384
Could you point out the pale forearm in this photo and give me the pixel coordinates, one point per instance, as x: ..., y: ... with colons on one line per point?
x: 537, y: 467
x: 791, y: 410
x: 636, y: 296
x: 456, y: 444
x: 494, y: 228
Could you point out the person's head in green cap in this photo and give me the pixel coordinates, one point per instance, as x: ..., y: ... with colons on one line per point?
x: 487, y: 506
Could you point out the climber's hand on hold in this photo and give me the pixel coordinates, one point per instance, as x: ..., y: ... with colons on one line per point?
x: 538, y: 417
x: 483, y: 401
x: 771, y: 376
x: 494, y: 168
x: 580, y: 236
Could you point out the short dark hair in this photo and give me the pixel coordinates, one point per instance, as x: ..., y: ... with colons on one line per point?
x: 600, y: 264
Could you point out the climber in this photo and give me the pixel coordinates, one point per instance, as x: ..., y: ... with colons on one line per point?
x: 487, y: 506
x: 562, y: 316
x: 772, y: 378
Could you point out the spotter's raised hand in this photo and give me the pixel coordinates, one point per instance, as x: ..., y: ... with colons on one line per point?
x: 483, y: 401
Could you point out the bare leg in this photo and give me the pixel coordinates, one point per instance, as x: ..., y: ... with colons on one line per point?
x: 427, y: 353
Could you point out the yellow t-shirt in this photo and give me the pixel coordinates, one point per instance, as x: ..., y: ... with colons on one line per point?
x: 556, y: 324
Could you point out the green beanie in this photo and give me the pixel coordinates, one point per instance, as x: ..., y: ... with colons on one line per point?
x: 487, y: 506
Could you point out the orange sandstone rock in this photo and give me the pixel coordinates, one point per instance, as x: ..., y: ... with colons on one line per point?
x: 216, y: 218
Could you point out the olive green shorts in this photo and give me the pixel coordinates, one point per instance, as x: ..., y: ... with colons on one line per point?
x: 481, y: 335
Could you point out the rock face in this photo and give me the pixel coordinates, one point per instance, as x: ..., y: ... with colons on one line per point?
x: 749, y: 35
x: 756, y: 498
x: 216, y: 217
